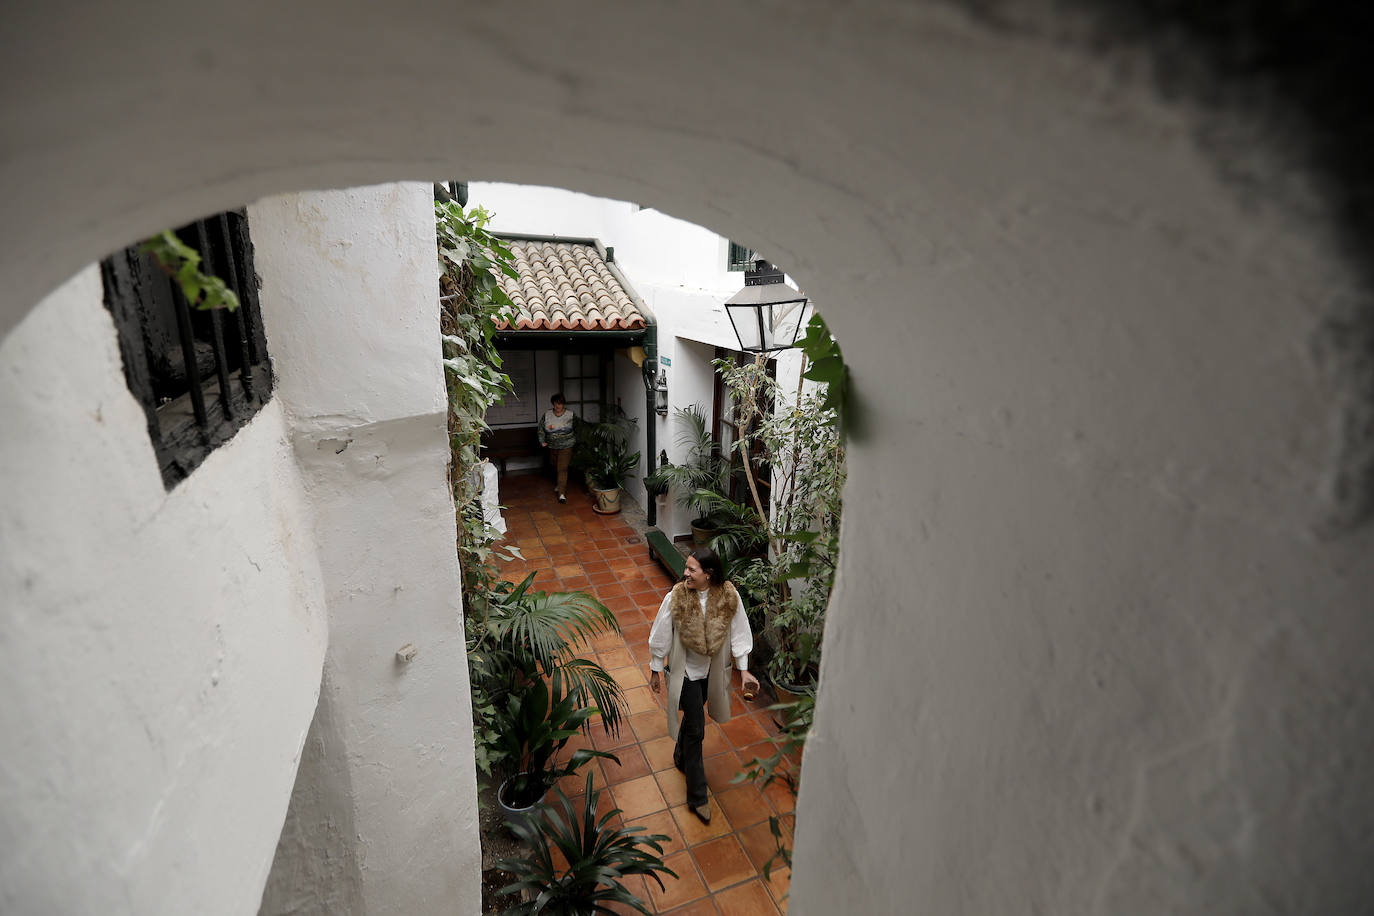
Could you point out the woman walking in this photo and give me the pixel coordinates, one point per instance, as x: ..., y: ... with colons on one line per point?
x: 700, y: 626
x: 558, y: 434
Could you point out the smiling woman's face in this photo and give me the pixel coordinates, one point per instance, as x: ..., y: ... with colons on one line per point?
x: 695, y: 576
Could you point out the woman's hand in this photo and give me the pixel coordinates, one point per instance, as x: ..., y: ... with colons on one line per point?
x: 654, y: 681
x: 749, y: 683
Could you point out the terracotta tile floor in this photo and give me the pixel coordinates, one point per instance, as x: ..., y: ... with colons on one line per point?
x: 718, y: 866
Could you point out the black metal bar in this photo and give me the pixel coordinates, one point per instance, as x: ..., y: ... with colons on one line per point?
x: 216, y: 326
x: 188, y: 355
x: 118, y: 272
x: 257, y: 339
x: 245, y: 358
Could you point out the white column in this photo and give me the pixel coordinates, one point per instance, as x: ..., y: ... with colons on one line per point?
x: 384, y: 816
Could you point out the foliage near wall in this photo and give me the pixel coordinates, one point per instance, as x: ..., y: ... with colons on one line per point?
x: 471, y: 305
x: 803, y: 442
x: 531, y: 694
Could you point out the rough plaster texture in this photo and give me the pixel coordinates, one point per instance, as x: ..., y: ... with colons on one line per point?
x: 384, y: 811
x: 1104, y: 591
x: 159, y: 652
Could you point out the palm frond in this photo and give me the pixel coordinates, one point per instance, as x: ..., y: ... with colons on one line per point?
x: 548, y: 626
x: 598, y: 854
x: 594, y: 685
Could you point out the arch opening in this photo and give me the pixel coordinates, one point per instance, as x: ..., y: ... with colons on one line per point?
x: 1084, y: 581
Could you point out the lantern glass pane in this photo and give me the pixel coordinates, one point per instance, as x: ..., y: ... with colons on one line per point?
x: 788, y: 320
x: 745, y: 319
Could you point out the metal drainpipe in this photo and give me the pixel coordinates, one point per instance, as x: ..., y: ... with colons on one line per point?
x: 650, y: 373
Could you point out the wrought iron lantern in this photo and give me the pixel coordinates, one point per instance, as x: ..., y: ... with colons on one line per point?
x: 661, y: 393
x: 767, y: 314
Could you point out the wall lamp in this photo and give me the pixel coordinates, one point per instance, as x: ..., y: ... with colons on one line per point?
x: 661, y: 393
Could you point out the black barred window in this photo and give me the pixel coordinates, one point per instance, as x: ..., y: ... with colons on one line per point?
x: 739, y: 258
x: 191, y: 413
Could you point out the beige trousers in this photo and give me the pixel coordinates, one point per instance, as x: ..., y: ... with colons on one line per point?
x: 561, y: 457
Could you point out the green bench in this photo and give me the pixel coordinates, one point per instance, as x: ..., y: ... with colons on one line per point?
x: 662, y: 549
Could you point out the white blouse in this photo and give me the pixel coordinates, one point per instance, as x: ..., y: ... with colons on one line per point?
x: 698, y: 666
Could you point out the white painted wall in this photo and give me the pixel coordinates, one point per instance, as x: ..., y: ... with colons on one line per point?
x: 159, y: 652
x: 653, y: 247
x: 1099, y: 639
x: 384, y: 810
x: 691, y: 381
x: 629, y: 394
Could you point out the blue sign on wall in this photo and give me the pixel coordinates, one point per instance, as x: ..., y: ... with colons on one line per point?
x: 665, y: 361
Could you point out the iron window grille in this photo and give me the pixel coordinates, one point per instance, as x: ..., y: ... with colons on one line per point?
x: 190, y: 414
x: 739, y: 258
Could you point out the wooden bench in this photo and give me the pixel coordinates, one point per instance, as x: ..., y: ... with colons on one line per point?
x: 518, y: 442
x: 663, y: 550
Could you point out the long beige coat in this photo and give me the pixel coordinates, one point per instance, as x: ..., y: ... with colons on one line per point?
x: 717, y: 688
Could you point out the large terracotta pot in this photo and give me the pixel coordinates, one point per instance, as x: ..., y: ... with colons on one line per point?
x: 607, y: 501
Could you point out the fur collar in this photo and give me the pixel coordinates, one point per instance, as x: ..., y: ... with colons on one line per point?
x: 704, y: 635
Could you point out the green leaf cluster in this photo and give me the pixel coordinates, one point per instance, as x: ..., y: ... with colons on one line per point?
x: 788, y: 588
x: 782, y: 765
x: 828, y: 367
x: 533, y: 726
x: 533, y: 689
x: 603, y: 449
x: 598, y: 856
x: 181, y: 262
x: 472, y: 306
x: 530, y: 692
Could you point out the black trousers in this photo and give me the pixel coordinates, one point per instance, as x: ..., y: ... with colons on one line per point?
x: 687, y: 751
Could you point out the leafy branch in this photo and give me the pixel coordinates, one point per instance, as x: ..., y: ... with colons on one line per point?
x: 181, y: 262
x: 780, y: 766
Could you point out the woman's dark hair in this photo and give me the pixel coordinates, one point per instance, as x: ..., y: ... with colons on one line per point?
x: 557, y: 398
x: 710, y: 564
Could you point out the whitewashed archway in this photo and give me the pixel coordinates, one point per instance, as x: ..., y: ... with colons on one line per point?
x: 1099, y: 642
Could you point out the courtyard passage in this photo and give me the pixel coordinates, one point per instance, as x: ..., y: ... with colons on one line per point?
x: 719, y: 866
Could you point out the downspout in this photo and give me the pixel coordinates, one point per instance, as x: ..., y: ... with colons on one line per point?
x: 649, y: 372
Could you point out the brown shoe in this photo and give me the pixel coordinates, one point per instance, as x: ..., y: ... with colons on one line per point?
x: 703, y: 812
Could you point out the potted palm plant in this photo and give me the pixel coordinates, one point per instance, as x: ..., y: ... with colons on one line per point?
x: 702, y: 481
x: 534, y: 726
x: 537, y: 694
x: 606, y: 458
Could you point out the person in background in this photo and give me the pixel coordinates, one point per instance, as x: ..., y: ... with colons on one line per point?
x: 557, y: 433
x: 700, y: 626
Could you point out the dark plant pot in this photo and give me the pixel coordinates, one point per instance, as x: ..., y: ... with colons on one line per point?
x: 516, y: 813
x: 788, y: 693
x: 702, y: 532
x: 607, y: 501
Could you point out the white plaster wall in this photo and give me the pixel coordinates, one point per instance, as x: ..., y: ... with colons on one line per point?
x: 159, y: 652
x: 651, y: 246
x: 691, y: 381
x: 1095, y: 645
x: 629, y: 394
x: 350, y: 304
